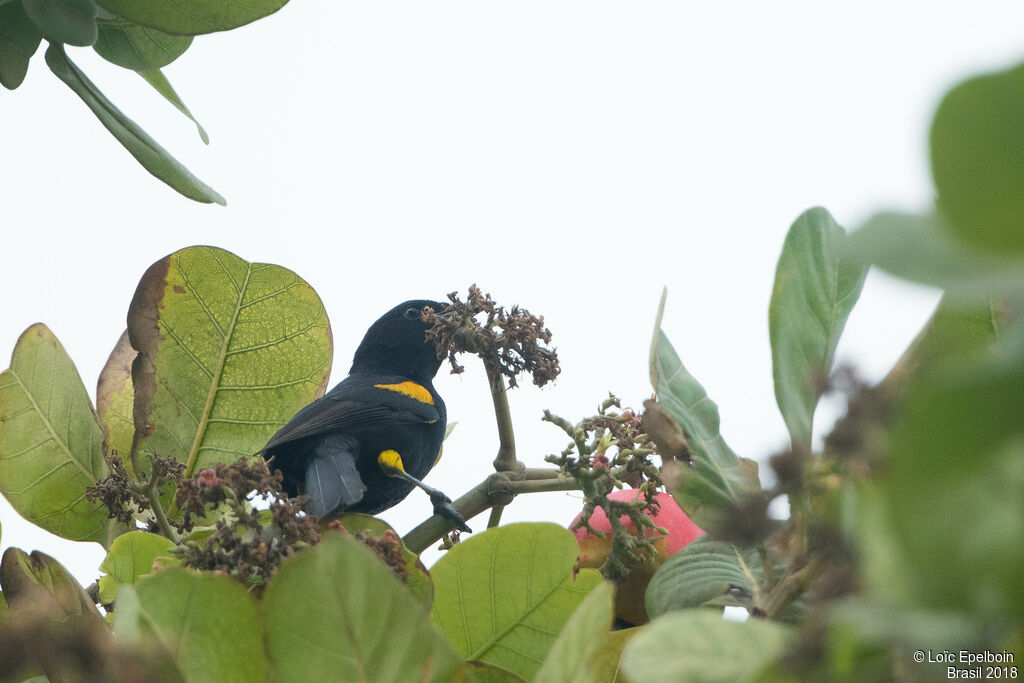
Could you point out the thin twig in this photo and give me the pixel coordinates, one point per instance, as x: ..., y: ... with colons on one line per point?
x: 496, y: 490
x: 153, y: 493
x: 506, y: 458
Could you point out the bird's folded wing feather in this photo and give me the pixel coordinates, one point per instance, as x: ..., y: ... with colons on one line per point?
x: 329, y: 414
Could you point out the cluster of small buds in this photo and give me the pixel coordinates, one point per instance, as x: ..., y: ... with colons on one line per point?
x: 607, y: 451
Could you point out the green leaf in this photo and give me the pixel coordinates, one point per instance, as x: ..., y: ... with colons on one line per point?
x: 956, y: 466
x: 19, y: 38
x: 815, y: 290
x: 192, y: 17
x: 503, y: 596
x: 718, y: 477
x: 976, y: 142
x: 335, y: 613
x: 228, y: 352
x: 139, y: 144
x: 131, y: 556
x: 51, y: 445
x: 64, y: 21
x: 482, y: 672
x: 886, y: 623
x: 417, y: 577
x: 160, y: 83
x: 22, y: 575
x: 571, y: 657
x: 607, y: 662
x: 699, y: 645
x: 115, y: 397
x: 961, y: 330
x: 138, y: 48
x: 922, y: 249
x: 207, y: 623
x: 703, y: 572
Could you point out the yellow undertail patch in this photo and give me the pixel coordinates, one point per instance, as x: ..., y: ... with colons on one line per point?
x: 390, y: 462
x: 410, y: 389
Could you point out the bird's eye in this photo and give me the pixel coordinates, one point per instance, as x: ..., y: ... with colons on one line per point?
x: 413, y: 313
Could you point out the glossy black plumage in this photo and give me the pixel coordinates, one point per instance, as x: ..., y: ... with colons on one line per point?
x: 329, y: 450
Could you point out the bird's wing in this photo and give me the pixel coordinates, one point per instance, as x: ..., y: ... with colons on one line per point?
x: 332, y: 480
x: 355, y: 407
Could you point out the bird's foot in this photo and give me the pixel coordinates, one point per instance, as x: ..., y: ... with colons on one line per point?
x: 443, y: 506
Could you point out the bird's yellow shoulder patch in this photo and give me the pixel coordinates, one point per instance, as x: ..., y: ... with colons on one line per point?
x: 391, y: 462
x: 410, y: 389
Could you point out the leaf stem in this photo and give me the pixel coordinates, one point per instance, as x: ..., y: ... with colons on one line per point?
x: 791, y: 587
x: 768, y: 567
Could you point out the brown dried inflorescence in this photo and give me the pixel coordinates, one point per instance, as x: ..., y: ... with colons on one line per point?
x: 247, y: 543
x: 124, y: 497
x: 509, y: 342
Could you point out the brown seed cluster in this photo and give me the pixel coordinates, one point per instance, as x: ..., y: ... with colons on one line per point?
x: 509, y: 342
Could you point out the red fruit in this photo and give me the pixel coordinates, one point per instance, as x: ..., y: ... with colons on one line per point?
x: 629, y: 592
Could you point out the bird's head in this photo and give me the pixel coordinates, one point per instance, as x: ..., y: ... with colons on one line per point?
x: 397, y: 343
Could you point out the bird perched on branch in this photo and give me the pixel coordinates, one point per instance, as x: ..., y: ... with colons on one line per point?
x: 364, y: 445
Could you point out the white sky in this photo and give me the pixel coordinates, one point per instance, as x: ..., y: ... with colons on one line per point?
x: 572, y: 157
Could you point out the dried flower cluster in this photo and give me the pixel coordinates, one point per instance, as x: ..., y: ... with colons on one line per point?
x: 241, y: 541
x: 123, y: 497
x: 509, y: 342
x: 246, y: 543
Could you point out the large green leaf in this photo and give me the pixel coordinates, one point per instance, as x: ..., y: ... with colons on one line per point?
x: 139, y: 144
x: 481, y: 672
x: 228, y: 352
x: 961, y: 330
x: 417, y: 578
x: 921, y: 248
x: 956, y: 476
x: 504, y: 595
x: 572, y: 655
x: 699, y: 645
x: 704, y: 571
x: 160, y: 83
x: 718, y: 476
x: 19, y: 38
x: 815, y: 289
x: 64, y: 21
x: 192, y: 17
x: 51, y: 445
x: 335, y: 613
x: 131, y: 555
x: 207, y: 623
x: 976, y: 144
x: 115, y: 398
x: 138, y: 47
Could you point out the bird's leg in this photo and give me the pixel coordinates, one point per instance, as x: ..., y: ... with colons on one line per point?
x: 442, y: 503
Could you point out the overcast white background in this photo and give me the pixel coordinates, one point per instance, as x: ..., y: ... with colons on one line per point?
x: 572, y: 157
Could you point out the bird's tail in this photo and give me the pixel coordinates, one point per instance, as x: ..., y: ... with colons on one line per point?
x: 332, y: 480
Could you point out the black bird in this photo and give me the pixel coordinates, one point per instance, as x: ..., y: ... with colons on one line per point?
x: 364, y: 445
